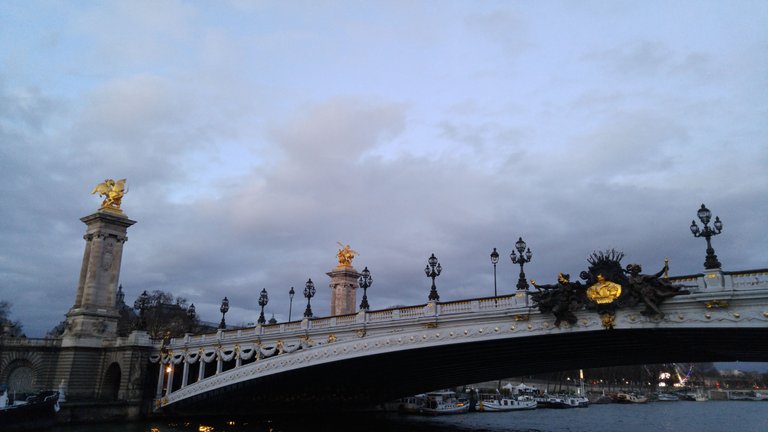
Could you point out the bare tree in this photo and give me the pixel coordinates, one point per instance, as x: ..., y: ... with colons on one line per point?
x: 7, y: 326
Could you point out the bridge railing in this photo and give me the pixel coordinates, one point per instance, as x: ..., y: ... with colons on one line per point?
x: 363, y: 317
x: 24, y: 341
x: 698, y: 283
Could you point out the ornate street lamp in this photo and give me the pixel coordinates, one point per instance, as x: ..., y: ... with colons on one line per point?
x: 365, y: 280
x: 433, y: 270
x: 309, y: 292
x: 290, y: 303
x: 224, y: 309
x: 525, y: 257
x: 191, y: 314
x: 263, y: 300
x: 141, y: 304
x: 710, y: 262
x: 494, y: 261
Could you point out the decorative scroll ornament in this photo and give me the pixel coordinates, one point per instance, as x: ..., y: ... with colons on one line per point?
x: 345, y: 256
x: 112, y: 191
x: 604, y: 291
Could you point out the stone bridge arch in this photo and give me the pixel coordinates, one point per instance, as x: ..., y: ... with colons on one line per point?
x: 22, y: 371
x: 111, y: 382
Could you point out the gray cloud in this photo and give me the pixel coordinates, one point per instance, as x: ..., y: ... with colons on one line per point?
x: 246, y: 165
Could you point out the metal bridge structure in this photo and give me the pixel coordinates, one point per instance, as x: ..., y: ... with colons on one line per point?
x: 357, y: 360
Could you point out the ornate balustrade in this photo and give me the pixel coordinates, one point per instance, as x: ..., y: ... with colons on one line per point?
x: 711, y: 300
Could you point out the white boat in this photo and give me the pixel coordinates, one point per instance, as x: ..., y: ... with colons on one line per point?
x: 667, y: 397
x: 411, y: 404
x: 746, y: 395
x: 577, y: 401
x: 630, y: 398
x: 552, y: 401
x: 440, y: 403
x: 513, y: 403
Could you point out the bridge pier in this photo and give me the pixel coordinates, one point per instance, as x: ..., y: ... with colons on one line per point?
x: 343, y: 285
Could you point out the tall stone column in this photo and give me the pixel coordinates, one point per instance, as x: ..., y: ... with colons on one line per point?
x: 343, y: 294
x: 93, y: 317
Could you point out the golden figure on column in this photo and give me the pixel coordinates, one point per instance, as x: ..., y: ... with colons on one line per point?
x: 112, y: 191
x: 345, y: 255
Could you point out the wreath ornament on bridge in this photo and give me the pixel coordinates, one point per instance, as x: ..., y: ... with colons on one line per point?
x: 607, y: 288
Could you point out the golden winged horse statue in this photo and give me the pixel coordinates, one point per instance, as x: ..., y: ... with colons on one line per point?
x: 112, y: 191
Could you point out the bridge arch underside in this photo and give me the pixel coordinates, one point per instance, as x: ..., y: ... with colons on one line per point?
x: 365, y: 381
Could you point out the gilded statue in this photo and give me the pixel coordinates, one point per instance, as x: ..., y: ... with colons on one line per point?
x: 112, y: 191
x: 345, y: 255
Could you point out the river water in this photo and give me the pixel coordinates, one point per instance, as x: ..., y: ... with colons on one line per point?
x: 711, y: 416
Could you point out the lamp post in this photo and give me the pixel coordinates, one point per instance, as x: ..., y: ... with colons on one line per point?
x: 365, y: 280
x: 141, y: 304
x: 494, y: 261
x: 191, y: 314
x: 224, y: 308
x: 309, y: 292
x: 525, y: 257
x: 710, y: 262
x: 433, y: 270
x: 290, y: 303
x: 263, y: 300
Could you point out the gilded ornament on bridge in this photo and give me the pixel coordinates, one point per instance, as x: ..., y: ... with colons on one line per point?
x: 332, y: 338
x: 716, y: 304
x: 113, y: 192
x: 607, y: 288
x: 603, y: 291
x: 345, y: 255
x: 608, y: 320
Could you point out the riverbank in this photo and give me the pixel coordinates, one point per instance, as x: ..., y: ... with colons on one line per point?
x: 712, y: 416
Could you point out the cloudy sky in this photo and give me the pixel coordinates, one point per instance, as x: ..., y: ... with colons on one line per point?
x: 255, y: 135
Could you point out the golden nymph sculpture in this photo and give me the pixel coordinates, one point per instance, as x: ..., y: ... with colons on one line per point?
x: 603, y: 291
x: 112, y: 191
x: 345, y: 255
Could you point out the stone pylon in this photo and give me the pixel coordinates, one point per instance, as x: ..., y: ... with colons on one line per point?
x: 343, y: 286
x: 94, y: 317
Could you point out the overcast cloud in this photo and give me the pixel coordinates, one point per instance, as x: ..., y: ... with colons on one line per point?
x: 255, y: 135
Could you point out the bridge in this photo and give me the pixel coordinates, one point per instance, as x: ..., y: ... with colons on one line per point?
x: 351, y: 361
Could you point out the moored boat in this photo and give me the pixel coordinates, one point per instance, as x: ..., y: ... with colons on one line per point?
x: 499, y: 404
x: 35, y: 412
x: 406, y: 405
x: 553, y: 401
x: 746, y: 395
x: 667, y: 397
x: 700, y: 397
x: 577, y: 401
x: 630, y: 398
x: 441, y: 403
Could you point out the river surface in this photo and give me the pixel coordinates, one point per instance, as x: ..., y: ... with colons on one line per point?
x: 711, y: 416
